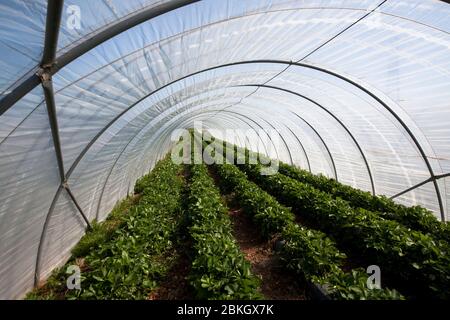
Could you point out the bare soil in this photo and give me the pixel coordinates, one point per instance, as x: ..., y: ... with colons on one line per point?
x: 175, y: 286
x: 277, y: 283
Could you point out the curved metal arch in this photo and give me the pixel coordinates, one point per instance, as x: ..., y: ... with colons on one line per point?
x: 262, y: 128
x: 158, y: 143
x: 332, y: 115
x: 240, y: 120
x: 284, y: 141
x: 109, y: 124
x: 202, y: 114
x: 223, y: 111
x: 228, y: 118
x: 214, y: 112
x: 174, y: 109
x: 193, y: 118
x: 302, y: 147
x: 125, y: 147
x: 314, y: 130
x: 170, y: 111
x: 164, y: 8
x: 262, y: 62
x: 33, y: 80
x: 399, y: 120
x: 385, y: 106
x: 325, y: 145
x: 195, y: 73
x: 186, y: 111
x: 117, y: 160
x: 281, y: 136
x: 47, y: 220
x: 134, y: 19
x: 337, y: 75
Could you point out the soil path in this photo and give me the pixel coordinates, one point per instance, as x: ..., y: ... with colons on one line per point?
x: 277, y: 283
x: 175, y: 285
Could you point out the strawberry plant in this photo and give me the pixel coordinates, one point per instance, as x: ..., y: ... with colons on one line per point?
x: 416, y: 217
x: 219, y: 269
x: 138, y: 257
x: 391, y: 245
x: 309, y: 253
x: 268, y: 214
x: 351, y: 286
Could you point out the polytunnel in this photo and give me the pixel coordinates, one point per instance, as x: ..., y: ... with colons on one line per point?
x: 92, y: 90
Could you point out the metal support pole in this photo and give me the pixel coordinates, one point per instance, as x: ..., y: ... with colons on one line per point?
x: 302, y: 147
x: 332, y: 115
x: 37, y: 269
x: 66, y: 186
x: 430, y: 179
x: 44, y: 74
x: 107, y: 33
x: 323, y: 142
x: 54, y: 13
x: 47, y: 85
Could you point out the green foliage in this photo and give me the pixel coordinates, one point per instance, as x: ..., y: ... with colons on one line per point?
x: 102, y: 232
x: 131, y: 265
x: 309, y: 253
x: 55, y: 286
x: 128, y: 254
x: 219, y: 270
x: 141, y: 183
x: 409, y: 254
x: 316, y: 257
x: 267, y: 213
x: 353, y: 285
x: 416, y: 217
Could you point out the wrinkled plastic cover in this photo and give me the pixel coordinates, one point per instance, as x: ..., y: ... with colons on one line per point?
x: 118, y: 104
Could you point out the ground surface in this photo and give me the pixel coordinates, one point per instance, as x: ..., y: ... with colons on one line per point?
x: 175, y: 286
x: 277, y: 284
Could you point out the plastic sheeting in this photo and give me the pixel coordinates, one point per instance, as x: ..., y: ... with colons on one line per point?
x: 356, y: 90
x: 22, y: 32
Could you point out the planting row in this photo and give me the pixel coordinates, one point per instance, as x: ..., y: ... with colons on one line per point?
x: 410, y: 255
x: 131, y: 265
x: 423, y: 262
x: 127, y: 259
x: 416, y: 217
x: 219, y: 269
x: 309, y: 253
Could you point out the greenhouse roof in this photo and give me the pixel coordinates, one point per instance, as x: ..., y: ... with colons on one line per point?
x: 91, y: 91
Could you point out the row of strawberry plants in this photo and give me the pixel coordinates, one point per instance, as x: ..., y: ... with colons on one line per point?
x: 307, y: 252
x: 55, y: 286
x: 219, y: 269
x: 140, y: 253
x: 410, y: 255
x: 415, y: 217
